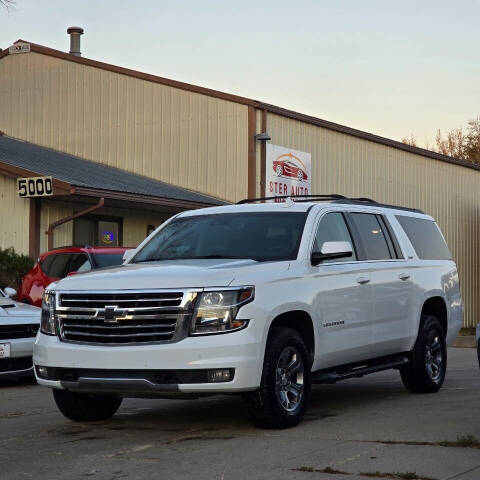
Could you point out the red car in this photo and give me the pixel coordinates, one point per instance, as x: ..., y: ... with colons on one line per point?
x: 59, y: 263
x: 287, y: 168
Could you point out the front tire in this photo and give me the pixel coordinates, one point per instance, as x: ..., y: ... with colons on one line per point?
x: 428, y: 363
x: 85, y: 407
x: 281, y: 400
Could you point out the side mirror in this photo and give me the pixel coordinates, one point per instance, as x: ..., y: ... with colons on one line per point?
x: 332, y: 250
x: 128, y: 255
x: 10, y: 292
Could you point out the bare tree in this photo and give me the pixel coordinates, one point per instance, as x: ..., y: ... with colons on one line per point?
x: 411, y: 140
x: 472, y: 141
x: 462, y: 143
x: 453, y: 144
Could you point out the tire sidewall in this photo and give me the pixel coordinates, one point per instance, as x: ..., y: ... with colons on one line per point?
x: 280, y: 339
x: 429, y: 323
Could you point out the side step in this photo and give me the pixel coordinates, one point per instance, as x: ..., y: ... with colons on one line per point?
x: 343, y: 373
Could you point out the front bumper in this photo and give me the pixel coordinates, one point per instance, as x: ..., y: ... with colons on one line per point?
x: 20, y: 361
x: 240, y: 351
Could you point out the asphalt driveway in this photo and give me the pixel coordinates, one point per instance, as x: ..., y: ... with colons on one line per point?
x: 364, y: 426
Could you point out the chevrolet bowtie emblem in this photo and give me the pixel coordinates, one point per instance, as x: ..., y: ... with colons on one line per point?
x: 112, y: 312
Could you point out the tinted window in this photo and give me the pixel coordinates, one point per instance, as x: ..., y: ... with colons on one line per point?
x: 332, y: 228
x: 260, y: 236
x: 58, y: 268
x: 46, y: 264
x: 108, y: 259
x: 425, y: 237
x: 371, y: 234
x: 79, y: 260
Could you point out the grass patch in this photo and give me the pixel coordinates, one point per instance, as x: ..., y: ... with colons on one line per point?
x: 390, y: 476
x: 462, y: 441
x: 395, y: 476
x: 330, y: 470
x: 464, y: 332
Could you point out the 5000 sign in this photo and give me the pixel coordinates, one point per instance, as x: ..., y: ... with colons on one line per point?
x: 34, y: 187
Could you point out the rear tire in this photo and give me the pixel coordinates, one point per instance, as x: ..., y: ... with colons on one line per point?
x: 281, y: 400
x: 428, y: 361
x: 85, y: 407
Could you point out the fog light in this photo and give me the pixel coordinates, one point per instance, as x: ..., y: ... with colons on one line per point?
x: 42, y: 372
x: 220, y: 375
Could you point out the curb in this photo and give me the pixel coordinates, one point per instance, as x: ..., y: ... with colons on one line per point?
x: 464, y: 341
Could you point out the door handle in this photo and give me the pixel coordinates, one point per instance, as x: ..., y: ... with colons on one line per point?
x: 362, y: 280
x: 404, y: 276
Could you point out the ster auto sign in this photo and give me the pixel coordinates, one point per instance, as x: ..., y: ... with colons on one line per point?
x: 34, y: 187
x: 288, y: 172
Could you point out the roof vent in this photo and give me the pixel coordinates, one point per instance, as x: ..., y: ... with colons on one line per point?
x: 75, y: 33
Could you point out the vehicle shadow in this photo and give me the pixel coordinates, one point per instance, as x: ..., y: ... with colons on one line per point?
x: 12, y: 381
x: 228, y: 412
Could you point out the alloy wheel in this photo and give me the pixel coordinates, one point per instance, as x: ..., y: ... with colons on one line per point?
x: 289, y: 379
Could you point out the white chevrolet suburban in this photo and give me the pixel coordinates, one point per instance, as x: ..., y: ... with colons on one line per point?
x: 260, y: 299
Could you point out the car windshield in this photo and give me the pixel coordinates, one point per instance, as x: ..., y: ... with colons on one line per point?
x: 107, y: 259
x: 264, y: 236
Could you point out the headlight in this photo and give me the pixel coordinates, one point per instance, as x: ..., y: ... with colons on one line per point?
x: 216, y: 311
x: 47, y: 324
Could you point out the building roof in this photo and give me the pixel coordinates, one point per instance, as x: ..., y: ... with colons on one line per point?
x: 245, y: 101
x: 80, y: 176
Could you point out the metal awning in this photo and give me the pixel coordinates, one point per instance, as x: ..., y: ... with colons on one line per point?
x: 79, y: 177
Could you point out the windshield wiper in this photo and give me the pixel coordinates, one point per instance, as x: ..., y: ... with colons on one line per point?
x: 197, y: 257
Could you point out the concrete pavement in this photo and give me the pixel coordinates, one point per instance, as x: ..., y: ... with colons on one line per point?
x: 359, y: 426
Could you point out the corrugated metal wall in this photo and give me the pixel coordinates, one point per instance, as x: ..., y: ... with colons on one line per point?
x: 359, y: 168
x: 14, y: 217
x: 184, y: 138
x: 51, y: 212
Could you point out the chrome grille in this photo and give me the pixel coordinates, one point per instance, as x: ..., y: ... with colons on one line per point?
x: 118, y: 318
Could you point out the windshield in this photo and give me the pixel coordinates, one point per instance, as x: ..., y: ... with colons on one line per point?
x: 261, y: 236
x: 107, y: 259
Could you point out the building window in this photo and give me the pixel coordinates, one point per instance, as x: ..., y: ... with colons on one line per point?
x: 150, y: 229
x: 97, y: 231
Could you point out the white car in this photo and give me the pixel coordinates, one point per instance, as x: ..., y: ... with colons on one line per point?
x: 260, y: 299
x: 19, y: 325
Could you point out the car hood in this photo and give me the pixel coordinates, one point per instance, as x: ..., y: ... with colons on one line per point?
x: 11, y: 310
x: 165, y: 274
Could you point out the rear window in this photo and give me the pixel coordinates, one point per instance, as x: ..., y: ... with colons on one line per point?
x: 425, y: 237
x: 108, y: 259
x: 372, y: 236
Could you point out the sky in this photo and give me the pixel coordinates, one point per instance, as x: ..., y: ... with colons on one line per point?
x: 387, y: 67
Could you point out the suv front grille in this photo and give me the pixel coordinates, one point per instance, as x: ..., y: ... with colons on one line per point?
x: 18, y: 331
x: 119, y: 318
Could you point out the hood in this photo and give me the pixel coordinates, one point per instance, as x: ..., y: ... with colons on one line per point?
x: 10, y: 310
x: 195, y: 273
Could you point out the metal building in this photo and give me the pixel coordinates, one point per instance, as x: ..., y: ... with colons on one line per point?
x: 150, y: 146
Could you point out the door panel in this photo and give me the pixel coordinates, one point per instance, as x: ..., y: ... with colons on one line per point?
x: 343, y: 301
x: 393, y: 306
x: 345, y: 309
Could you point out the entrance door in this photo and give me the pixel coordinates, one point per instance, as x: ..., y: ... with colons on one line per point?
x: 97, y: 231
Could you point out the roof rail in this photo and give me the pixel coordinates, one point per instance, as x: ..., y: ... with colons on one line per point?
x: 367, y: 201
x: 334, y: 197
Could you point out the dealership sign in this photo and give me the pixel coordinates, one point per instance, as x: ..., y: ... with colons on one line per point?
x: 34, y: 187
x: 288, y: 172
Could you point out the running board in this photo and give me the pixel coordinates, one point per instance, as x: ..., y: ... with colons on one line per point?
x: 332, y: 376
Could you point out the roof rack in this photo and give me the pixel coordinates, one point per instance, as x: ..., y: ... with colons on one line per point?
x: 334, y: 197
